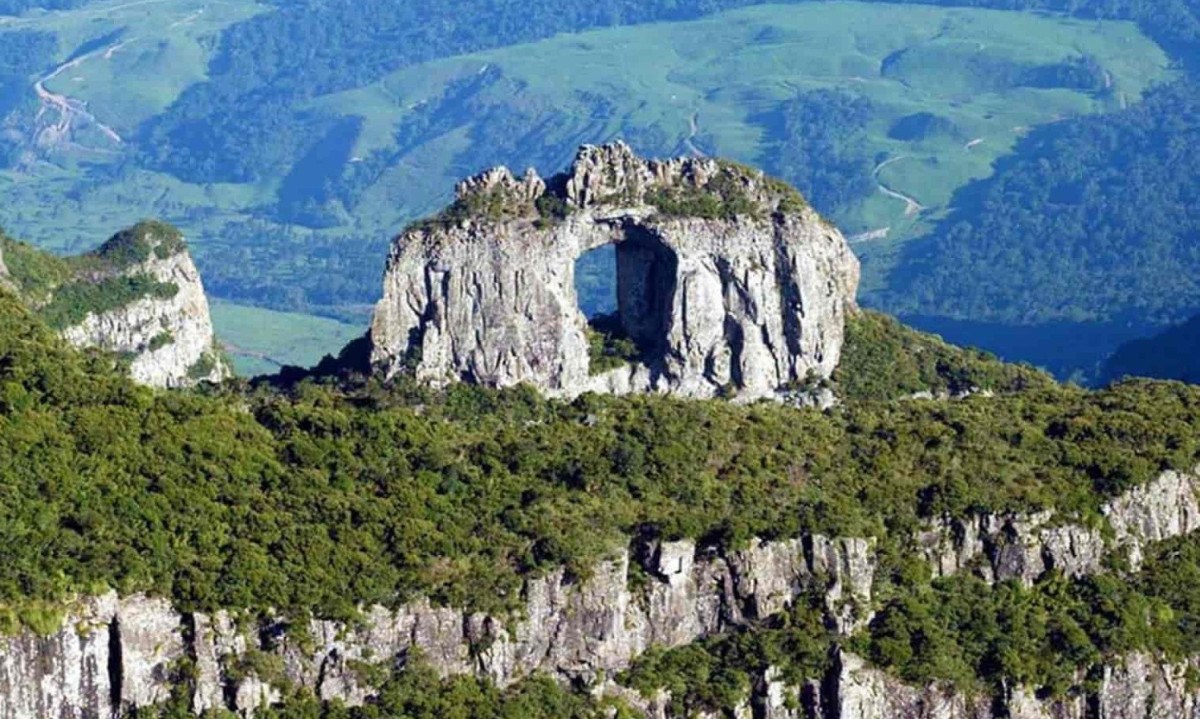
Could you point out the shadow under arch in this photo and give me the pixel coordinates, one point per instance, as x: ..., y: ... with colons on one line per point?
x: 626, y: 286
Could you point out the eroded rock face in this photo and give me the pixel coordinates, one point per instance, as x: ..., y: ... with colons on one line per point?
x: 118, y: 654
x: 1165, y: 508
x: 64, y: 675
x: 1024, y: 547
x: 6, y: 282
x: 170, y: 339
x: 111, y: 656
x: 862, y: 692
x: 727, y: 282
x: 124, y: 653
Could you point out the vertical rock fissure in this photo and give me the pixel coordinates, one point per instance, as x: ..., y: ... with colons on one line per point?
x: 790, y: 298
x: 646, y: 286
x: 116, y: 676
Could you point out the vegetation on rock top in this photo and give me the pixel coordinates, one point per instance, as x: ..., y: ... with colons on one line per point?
x: 326, y: 497
x: 64, y: 290
x: 883, y: 359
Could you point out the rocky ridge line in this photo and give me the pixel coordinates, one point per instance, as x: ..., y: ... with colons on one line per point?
x: 114, y: 654
x: 169, y: 341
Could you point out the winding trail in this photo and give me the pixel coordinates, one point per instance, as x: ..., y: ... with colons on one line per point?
x: 70, y: 110
x: 694, y: 130
x: 870, y: 236
x: 911, y: 206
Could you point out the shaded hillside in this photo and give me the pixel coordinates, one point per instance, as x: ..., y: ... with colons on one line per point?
x: 1173, y: 354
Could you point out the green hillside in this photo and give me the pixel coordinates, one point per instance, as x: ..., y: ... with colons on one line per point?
x: 313, y: 499
x: 824, y: 94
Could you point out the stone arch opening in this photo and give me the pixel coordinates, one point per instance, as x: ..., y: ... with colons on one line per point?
x: 626, y: 290
x: 596, y: 281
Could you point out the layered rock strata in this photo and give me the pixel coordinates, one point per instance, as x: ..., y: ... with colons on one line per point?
x: 727, y: 283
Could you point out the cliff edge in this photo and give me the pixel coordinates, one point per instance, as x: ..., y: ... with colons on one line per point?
x: 728, y: 283
x: 138, y: 295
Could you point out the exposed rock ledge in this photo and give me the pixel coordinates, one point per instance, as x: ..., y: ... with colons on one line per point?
x: 748, y: 298
x: 1139, y: 686
x: 6, y: 282
x: 1025, y: 547
x: 116, y: 654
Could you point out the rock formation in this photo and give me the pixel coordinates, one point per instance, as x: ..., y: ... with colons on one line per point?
x: 1024, y: 547
x: 727, y: 282
x: 114, y: 654
x: 6, y: 282
x: 139, y: 296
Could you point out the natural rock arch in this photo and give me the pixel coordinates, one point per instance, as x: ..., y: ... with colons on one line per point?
x: 728, y: 283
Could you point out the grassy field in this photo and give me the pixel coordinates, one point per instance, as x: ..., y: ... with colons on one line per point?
x: 669, y: 88
x: 261, y: 341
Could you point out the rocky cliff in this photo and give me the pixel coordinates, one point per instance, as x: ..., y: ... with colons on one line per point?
x: 727, y: 282
x: 114, y: 654
x: 5, y: 279
x: 139, y: 296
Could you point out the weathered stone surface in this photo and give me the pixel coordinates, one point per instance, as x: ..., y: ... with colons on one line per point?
x: 140, y: 328
x: 1142, y: 687
x: 64, y: 675
x: 1162, y: 509
x: 151, y: 641
x: 775, y: 699
x: 1024, y: 547
x: 751, y: 303
x: 5, y: 279
x: 862, y: 692
x: 848, y: 566
x: 121, y: 654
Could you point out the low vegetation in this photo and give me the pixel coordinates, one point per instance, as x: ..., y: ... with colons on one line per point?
x: 734, y: 191
x: 608, y: 345
x: 64, y: 290
x: 326, y: 497
x: 883, y: 359
x: 73, y: 302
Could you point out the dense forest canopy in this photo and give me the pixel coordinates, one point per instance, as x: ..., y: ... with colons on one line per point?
x: 315, y: 496
x: 1172, y: 354
x: 324, y: 498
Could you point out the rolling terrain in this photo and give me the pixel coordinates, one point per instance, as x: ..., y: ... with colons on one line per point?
x: 878, y: 112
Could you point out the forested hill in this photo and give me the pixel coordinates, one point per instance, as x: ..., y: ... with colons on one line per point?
x: 315, y: 499
x: 1173, y: 354
x: 1089, y: 229
x: 1094, y: 219
x: 291, y: 139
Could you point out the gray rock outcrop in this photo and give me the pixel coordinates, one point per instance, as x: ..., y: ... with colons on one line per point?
x: 1024, y: 547
x: 727, y: 282
x: 6, y: 282
x: 110, y: 656
x: 1137, y: 686
x: 1162, y: 509
x: 170, y: 339
x: 115, y: 654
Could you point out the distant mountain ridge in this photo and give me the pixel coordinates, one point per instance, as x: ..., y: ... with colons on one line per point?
x: 1172, y: 354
